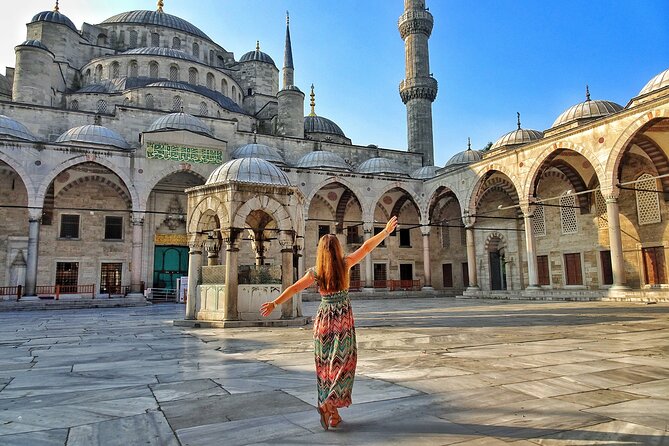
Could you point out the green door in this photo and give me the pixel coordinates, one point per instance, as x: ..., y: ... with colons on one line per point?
x: 169, y: 263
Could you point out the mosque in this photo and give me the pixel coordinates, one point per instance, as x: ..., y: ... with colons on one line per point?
x: 137, y: 150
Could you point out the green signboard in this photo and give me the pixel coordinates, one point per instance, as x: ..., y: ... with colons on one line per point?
x: 161, y: 151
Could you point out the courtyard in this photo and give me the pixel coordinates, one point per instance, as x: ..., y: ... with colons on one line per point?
x: 436, y: 371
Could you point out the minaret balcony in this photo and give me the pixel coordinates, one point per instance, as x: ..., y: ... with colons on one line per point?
x: 418, y: 88
x: 415, y: 21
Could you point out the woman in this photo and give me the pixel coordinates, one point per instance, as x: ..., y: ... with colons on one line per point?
x: 334, y: 331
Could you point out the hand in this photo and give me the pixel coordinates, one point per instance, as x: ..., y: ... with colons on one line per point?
x: 267, y: 308
x: 391, y: 225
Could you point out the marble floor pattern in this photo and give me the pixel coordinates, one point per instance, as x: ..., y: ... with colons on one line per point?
x: 436, y: 371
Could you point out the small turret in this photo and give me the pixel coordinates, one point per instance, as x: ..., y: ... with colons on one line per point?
x: 32, y: 75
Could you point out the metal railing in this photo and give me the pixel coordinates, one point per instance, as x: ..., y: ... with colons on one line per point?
x: 12, y: 291
x: 55, y: 291
x: 162, y: 295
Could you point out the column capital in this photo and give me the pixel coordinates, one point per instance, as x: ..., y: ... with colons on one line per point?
x: 368, y: 227
x: 35, y: 214
x: 610, y: 193
x: 425, y: 230
x: 230, y: 237
x: 137, y: 218
x: 527, y: 207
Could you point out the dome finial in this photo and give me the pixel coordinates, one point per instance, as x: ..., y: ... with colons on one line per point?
x: 518, y: 113
x: 587, y: 93
x: 55, y: 8
x: 469, y: 143
x: 313, y: 101
x: 161, y: 3
x: 257, y: 45
x: 287, y: 18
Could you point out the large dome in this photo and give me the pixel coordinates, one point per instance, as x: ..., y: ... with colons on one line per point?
x: 13, y: 128
x: 157, y: 18
x: 179, y: 121
x: 256, y: 150
x: 54, y: 17
x: 158, y: 51
x: 381, y: 165
x: 249, y: 170
x: 322, y: 159
x: 659, y: 81
x: 94, y: 134
x: 587, y: 110
x: 318, y: 124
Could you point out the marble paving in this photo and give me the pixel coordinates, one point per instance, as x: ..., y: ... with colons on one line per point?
x: 431, y: 372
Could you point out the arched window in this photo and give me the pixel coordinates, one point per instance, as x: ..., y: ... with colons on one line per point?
x: 87, y: 77
x: 74, y: 105
x: 211, y: 57
x: 174, y: 73
x: 539, y: 221
x: 133, y: 39
x: 221, y: 61
x: 192, y: 76
x: 445, y: 237
x: 155, y: 39
x: 115, y: 70
x: 210, y: 81
x: 153, y: 69
x: 148, y: 99
x: 647, y: 202
x: 133, y: 69
x: 568, y: 213
x: 224, y: 87
x: 102, y: 39
x: 98, y: 73
x: 176, y: 43
x: 204, y: 110
x: 234, y: 93
x: 177, y: 104
x: 196, y: 50
x: 102, y: 106
x: 126, y: 101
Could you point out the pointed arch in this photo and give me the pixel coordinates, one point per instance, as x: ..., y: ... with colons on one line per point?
x: 268, y: 205
x: 310, y: 195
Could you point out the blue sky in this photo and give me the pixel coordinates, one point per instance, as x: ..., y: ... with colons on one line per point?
x: 491, y: 58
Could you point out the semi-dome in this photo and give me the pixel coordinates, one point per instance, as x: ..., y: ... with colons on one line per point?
x: 13, y: 128
x: 319, y: 124
x: 158, y: 51
x: 380, y: 165
x: 35, y: 44
x: 517, y: 137
x: 94, y: 134
x: 659, y: 81
x: 256, y: 150
x: 425, y: 173
x: 179, y: 121
x: 322, y: 159
x: 54, y: 17
x: 587, y: 110
x: 256, y: 56
x: 249, y: 170
x: 158, y: 18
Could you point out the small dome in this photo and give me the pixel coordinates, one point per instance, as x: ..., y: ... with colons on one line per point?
x: 465, y: 157
x: 322, y: 159
x: 35, y: 44
x: 587, y: 110
x: 381, y: 165
x: 318, y: 124
x: 659, y: 81
x: 425, y: 173
x: 256, y: 56
x: 158, y: 51
x: 94, y: 134
x: 261, y: 151
x: 517, y: 137
x: 54, y: 17
x: 249, y: 170
x: 13, y: 128
x: 179, y: 121
x: 157, y: 18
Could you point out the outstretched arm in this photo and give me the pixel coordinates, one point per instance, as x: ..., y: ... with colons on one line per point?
x: 372, y: 243
x: 304, y: 282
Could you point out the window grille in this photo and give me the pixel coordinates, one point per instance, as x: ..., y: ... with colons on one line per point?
x: 69, y: 226
x: 177, y: 104
x: 102, y: 106
x: 110, y: 277
x: 445, y: 237
x: 176, y: 43
x: 67, y: 275
x: 224, y: 87
x: 98, y: 73
x: 210, y: 81
x: 74, y: 105
x: 113, y: 228
x: 647, y: 203
x: 196, y: 50
x: 133, y: 39
x: 134, y: 69
x: 568, y: 214
x: 174, y: 73
x: 153, y: 69
x: 149, y: 101
x: 192, y: 76
x: 155, y: 39
x: 600, y: 209
x: 116, y: 70
x: 539, y: 221
x: 204, y: 110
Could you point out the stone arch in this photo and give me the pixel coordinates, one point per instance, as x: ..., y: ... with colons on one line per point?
x: 475, y: 192
x: 207, y: 206
x: 495, y: 241
x: 430, y: 194
x: 162, y: 174
x: 98, y: 179
x: 325, y: 204
x: 21, y: 172
x: 549, y: 153
x: 268, y: 205
x: 564, y: 172
x: 488, y: 183
x: 127, y: 182
x: 356, y: 192
x: 388, y: 187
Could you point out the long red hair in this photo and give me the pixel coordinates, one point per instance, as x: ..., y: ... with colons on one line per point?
x: 331, y: 265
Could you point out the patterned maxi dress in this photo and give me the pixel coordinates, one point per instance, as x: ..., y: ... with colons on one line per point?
x: 335, y: 348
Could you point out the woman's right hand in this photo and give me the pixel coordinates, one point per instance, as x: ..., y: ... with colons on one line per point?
x: 391, y: 225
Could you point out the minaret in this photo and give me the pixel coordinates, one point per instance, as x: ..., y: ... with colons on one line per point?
x: 419, y: 89
x: 290, y: 119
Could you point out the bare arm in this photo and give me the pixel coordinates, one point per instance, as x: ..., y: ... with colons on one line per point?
x: 303, y: 283
x: 369, y: 245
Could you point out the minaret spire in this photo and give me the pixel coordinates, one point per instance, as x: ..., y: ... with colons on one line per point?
x: 313, y: 101
x: 419, y: 89
x: 288, y: 69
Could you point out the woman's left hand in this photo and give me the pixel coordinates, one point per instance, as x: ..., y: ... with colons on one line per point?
x: 267, y: 308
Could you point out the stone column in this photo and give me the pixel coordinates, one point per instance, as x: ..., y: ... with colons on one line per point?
x: 471, y: 252
x: 427, y: 266
x: 137, y: 245
x: 286, y: 242
x: 368, y: 231
x: 34, y: 219
x: 615, y: 241
x: 194, y: 263
x: 231, y: 277
x: 530, y: 247
x: 213, y: 247
x: 508, y: 270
